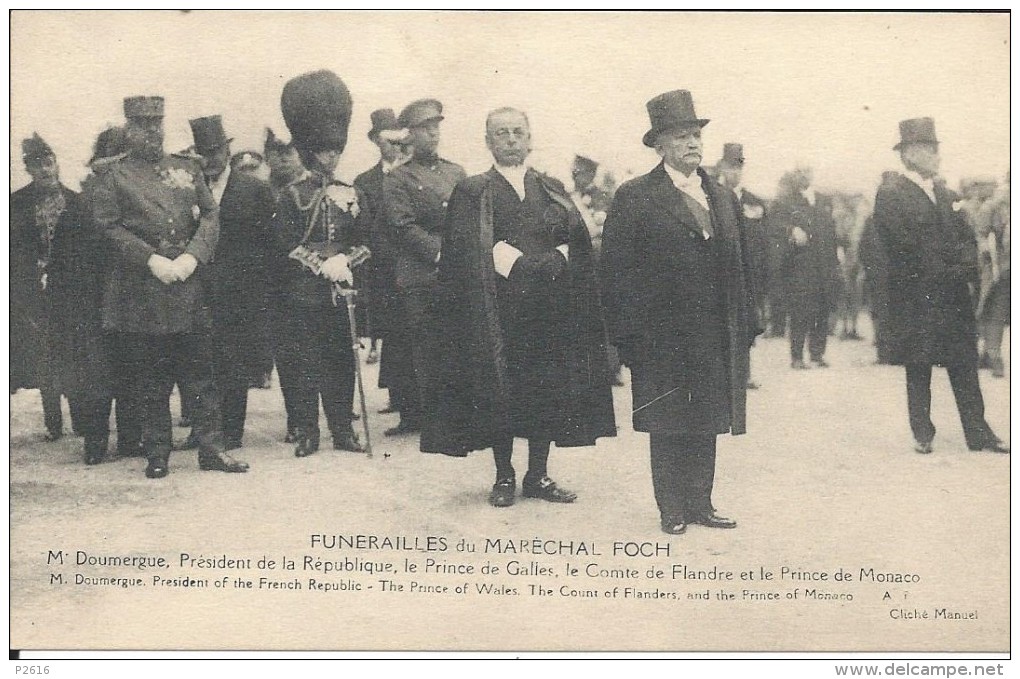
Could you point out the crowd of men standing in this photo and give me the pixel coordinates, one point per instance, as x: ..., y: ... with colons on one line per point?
x: 501, y: 306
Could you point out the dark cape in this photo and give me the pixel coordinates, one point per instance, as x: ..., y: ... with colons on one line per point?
x: 478, y: 401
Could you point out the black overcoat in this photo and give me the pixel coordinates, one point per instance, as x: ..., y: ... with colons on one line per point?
x: 381, y: 275
x: 514, y: 349
x: 932, y: 260
x: 679, y: 305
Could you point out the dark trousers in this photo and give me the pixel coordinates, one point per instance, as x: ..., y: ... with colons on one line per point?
x: 125, y: 392
x: 417, y: 394
x: 969, y: 403
x: 53, y: 416
x: 156, y: 362
x: 683, y: 473
x: 233, y: 390
x: 314, y: 349
x: 94, y: 419
x: 809, y: 319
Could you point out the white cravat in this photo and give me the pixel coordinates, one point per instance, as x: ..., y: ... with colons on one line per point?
x: 514, y: 175
x: 690, y: 185
x: 219, y: 185
x: 927, y: 185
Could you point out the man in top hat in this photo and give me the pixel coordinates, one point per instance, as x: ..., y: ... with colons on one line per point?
x: 391, y: 141
x: 679, y: 308
x: 517, y: 280
x: 416, y: 197
x: 730, y: 172
x: 932, y: 261
x: 317, y: 218
x: 160, y: 219
x: 238, y: 274
x: 810, y: 265
x: 38, y: 212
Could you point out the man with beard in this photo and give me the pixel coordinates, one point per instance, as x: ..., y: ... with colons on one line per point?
x: 390, y: 138
x: 160, y: 220
x: 238, y: 275
x: 528, y: 358
x: 37, y: 212
x: 416, y: 196
x: 679, y: 307
x: 932, y: 261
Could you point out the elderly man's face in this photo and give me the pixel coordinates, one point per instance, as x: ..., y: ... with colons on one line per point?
x: 681, y: 148
x: 425, y: 138
x: 45, y: 172
x: 923, y: 157
x: 508, y: 137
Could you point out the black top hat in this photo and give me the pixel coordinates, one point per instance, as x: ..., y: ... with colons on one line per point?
x: 143, y: 107
x: 669, y: 111
x: 383, y: 119
x: 208, y: 133
x: 34, y: 149
x: 317, y: 109
x: 916, y: 131
x: 732, y: 155
x: 585, y: 163
x: 420, y: 112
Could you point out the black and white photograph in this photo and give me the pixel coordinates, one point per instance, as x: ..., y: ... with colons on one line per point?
x: 511, y: 332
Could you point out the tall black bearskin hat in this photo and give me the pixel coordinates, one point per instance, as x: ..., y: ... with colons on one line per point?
x: 317, y: 109
x: 34, y: 150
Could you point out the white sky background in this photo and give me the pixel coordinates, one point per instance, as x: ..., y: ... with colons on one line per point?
x: 823, y: 89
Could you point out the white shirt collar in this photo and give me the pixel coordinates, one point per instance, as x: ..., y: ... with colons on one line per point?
x: 927, y: 185
x: 219, y: 185
x: 690, y: 185
x: 514, y: 175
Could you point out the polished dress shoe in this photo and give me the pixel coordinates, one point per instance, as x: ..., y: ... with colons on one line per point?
x: 923, y: 447
x: 992, y: 445
x: 503, y: 492
x: 673, y: 526
x: 712, y: 520
x: 348, y: 440
x: 404, y: 427
x: 546, y: 489
x: 798, y: 364
x: 221, y: 462
x: 158, y: 468
x: 306, y: 444
x: 189, y: 443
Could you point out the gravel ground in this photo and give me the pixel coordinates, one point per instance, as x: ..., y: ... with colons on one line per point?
x: 825, y: 481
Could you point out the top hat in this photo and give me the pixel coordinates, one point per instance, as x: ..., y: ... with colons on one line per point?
x: 420, y: 112
x: 317, y: 109
x: 585, y: 163
x: 208, y: 134
x: 916, y: 131
x: 732, y: 155
x: 383, y: 119
x: 669, y: 111
x: 34, y: 149
x: 143, y: 107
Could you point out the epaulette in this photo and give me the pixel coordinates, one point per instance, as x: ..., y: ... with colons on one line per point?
x: 104, y: 164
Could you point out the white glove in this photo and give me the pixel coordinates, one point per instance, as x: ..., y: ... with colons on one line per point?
x: 800, y: 237
x: 338, y: 270
x: 163, y: 269
x: 504, y: 256
x: 185, y: 265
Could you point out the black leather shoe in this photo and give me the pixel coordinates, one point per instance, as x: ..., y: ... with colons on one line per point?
x: 306, y: 444
x: 546, y: 489
x: 221, y: 462
x: 923, y: 447
x: 404, y: 427
x: 673, y: 526
x: 349, y: 441
x: 993, y: 445
x: 158, y: 468
x: 503, y: 492
x: 189, y: 443
x: 712, y: 520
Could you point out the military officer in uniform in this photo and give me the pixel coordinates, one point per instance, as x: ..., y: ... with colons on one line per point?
x: 315, y: 228
x: 679, y: 308
x: 159, y: 218
x: 416, y: 196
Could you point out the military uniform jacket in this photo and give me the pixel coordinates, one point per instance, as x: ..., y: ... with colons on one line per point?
x: 144, y: 208
x: 323, y: 215
x: 416, y: 196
